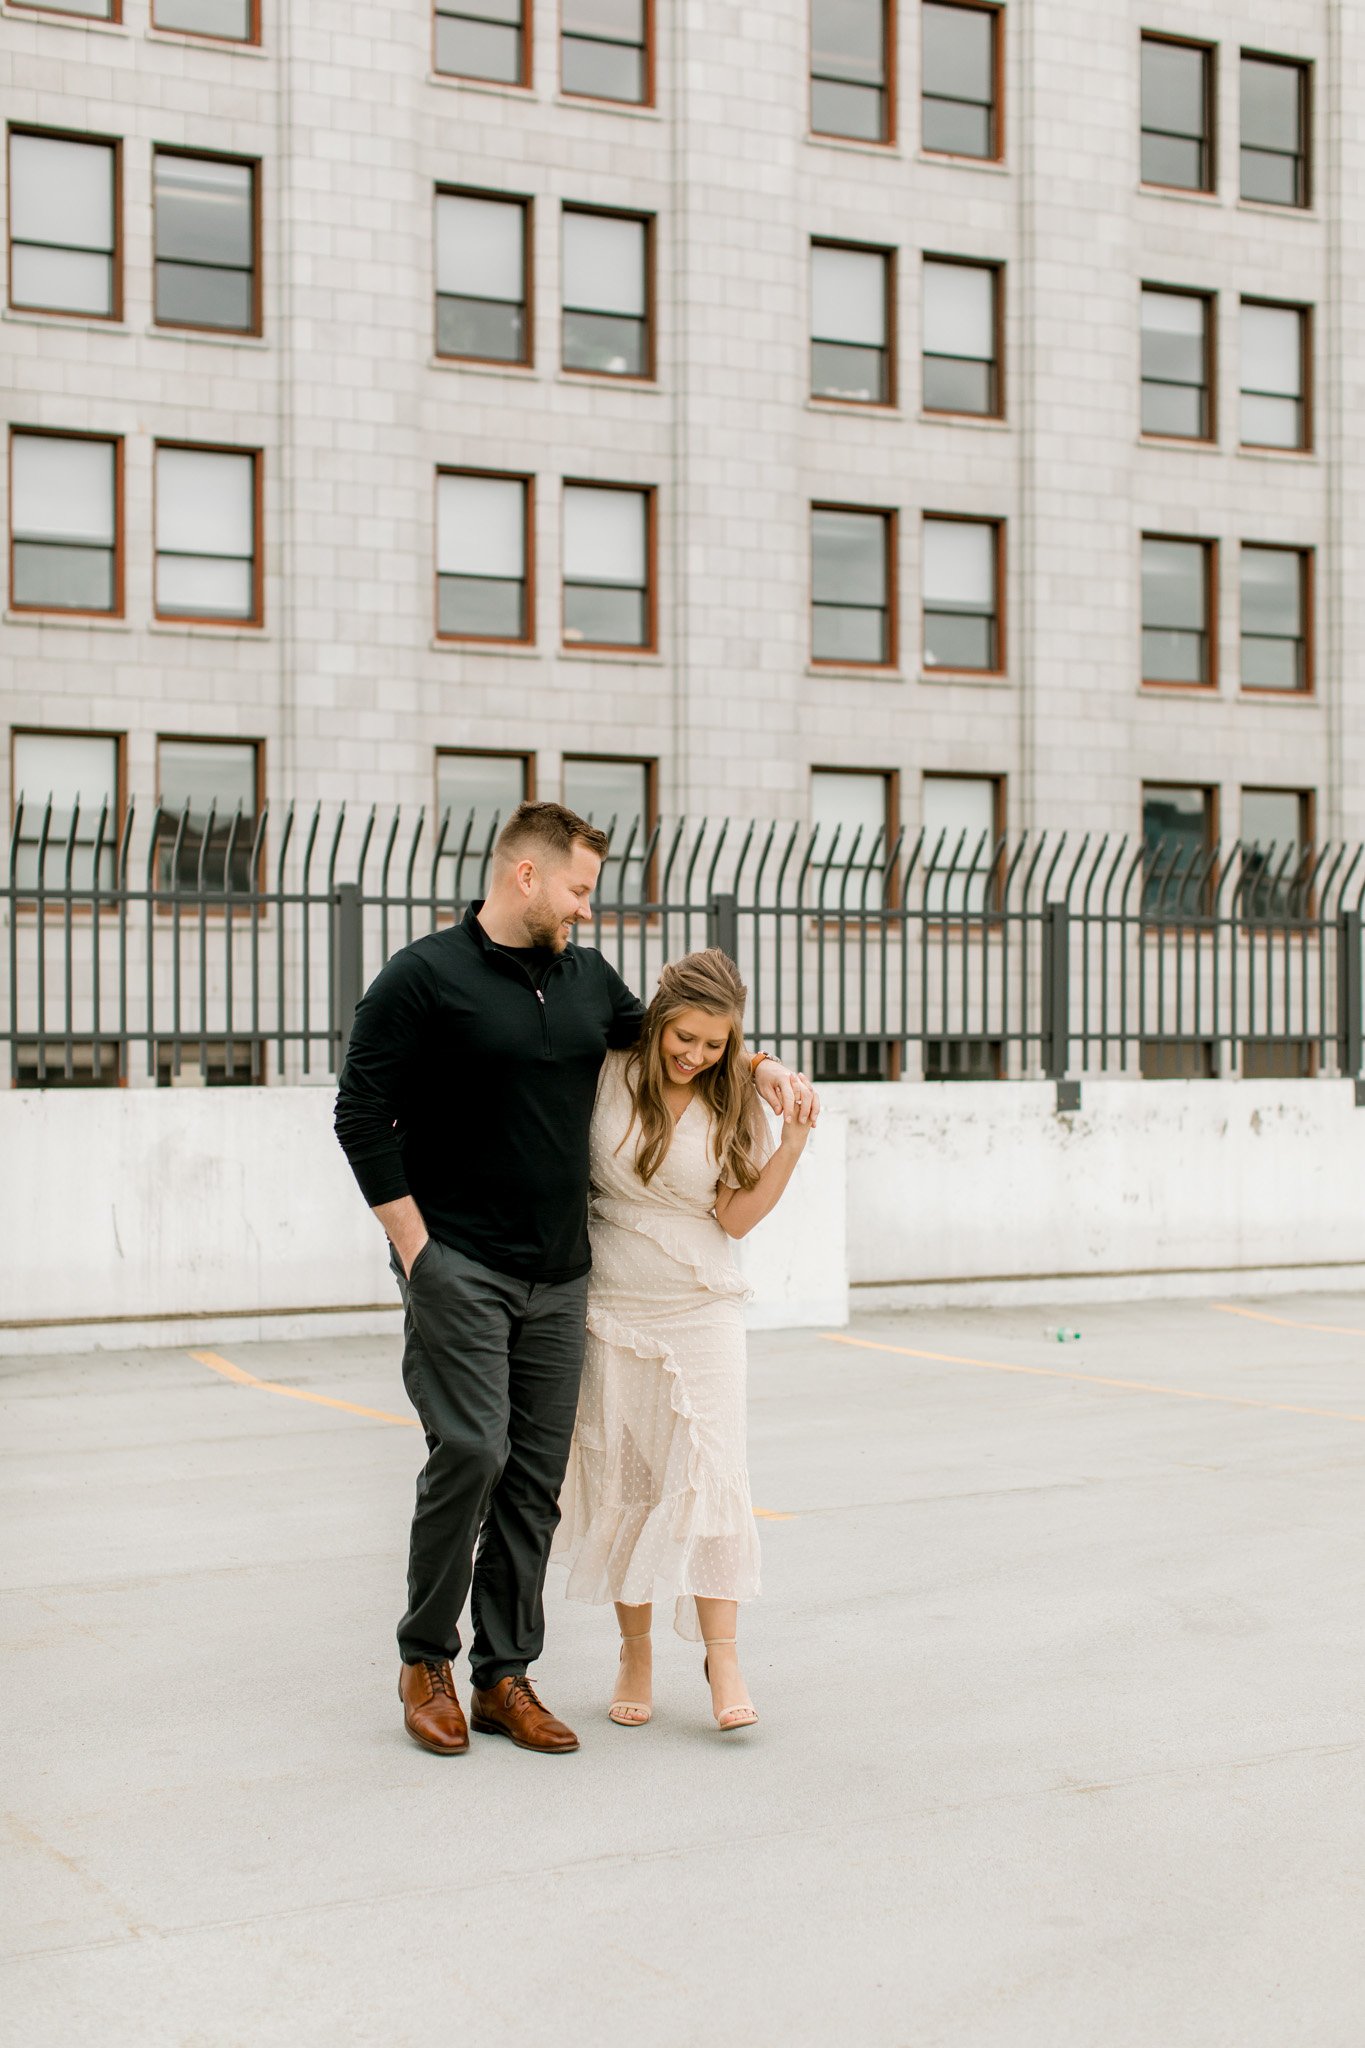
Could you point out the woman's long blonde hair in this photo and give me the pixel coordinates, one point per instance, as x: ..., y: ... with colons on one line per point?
x: 700, y: 981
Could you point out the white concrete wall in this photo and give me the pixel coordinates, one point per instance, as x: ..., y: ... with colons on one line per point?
x: 168, y: 1216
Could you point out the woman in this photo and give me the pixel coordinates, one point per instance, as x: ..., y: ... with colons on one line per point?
x: 657, y: 1493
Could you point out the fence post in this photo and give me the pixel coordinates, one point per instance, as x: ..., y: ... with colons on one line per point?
x: 348, y: 974
x: 722, y: 924
x: 1056, y: 990
x: 1349, y: 993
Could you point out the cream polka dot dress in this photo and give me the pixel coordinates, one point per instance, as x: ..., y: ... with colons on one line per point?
x: 656, y: 1499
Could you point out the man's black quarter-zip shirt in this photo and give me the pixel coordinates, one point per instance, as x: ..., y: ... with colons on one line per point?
x: 469, y: 1084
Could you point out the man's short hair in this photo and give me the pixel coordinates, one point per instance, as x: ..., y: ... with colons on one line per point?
x: 550, y: 831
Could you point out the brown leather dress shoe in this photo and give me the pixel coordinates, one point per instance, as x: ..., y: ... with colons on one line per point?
x: 431, y: 1713
x: 511, y: 1708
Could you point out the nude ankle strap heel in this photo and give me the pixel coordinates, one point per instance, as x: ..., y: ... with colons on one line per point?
x: 733, y: 1717
x: 630, y: 1713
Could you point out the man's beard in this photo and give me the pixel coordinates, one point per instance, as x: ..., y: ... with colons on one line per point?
x: 544, y: 929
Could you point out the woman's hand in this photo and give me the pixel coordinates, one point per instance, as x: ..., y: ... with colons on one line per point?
x: 803, y: 1118
x: 784, y: 1091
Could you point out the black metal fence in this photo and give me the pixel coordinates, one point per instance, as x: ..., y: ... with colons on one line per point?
x: 189, y: 947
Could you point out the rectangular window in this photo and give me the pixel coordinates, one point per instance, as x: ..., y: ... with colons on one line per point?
x: 475, y: 796
x: 853, y: 826
x: 78, y: 773
x: 1177, y: 581
x: 1179, y: 835
x: 961, y: 338
x: 1276, y: 607
x: 482, y: 556
x: 488, y: 39
x: 851, y: 294
x: 1275, y: 410
x: 619, y: 797
x: 208, y: 791
x: 482, y: 278
x: 207, y: 557
x: 606, y: 293
x: 227, y: 21
x: 604, y: 50
x: 851, y: 64
x: 1275, y: 129
x: 1177, y: 114
x: 608, y: 566
x: 1177, y: 364
x: 963, y: 822
x: 961, y: 594
x: 65, y: 553
x: 1277, y: 834
x: 206, y: 236
x: 63, y: 225
x: 960, y: 107
x: 852, y: 579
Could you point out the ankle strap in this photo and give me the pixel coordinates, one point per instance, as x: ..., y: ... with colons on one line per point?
x: 718, y: 1642
x: 642, y: 1637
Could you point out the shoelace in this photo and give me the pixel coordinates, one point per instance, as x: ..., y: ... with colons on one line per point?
x: 441, y: 1680
x: 522, y: 1683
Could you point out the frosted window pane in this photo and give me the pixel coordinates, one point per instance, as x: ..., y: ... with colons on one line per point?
x: 61, y: 280
x: 203, y: 210
x: 1172, y: 88
x: 480, y: 526
x: 63, y: 489
x: 1270, y: 105
x: 217, y: 772
x: 959, y: 311
x: 1270, y: 817
x: 848, y: 565
x: 1271, y: 349
x: 1271, y: 590
x: 230, y: 19
x: 958, y: 807
x: 204, y: 502
x: 63, y: 767
x: 854, y: 803
x: 604, y: 535
x: 622, y: 20
x: 604, y: 264
x: 603, y: 790
x: 484, y: 785
x: 848, y: 296
x: 959, y: 563
x: 1173, y: 584
x: 479, y: 248
x: 202, y: 587
x: 62, y: 192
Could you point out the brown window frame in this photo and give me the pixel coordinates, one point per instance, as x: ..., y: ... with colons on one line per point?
x: 26, y: 902
x: 1000, y: 523
x: 890, y: 34
x: 1209, y: 300
x: 114, y: 142
x: 650, y: 645
x: 1304, y: 67
x: 522, y: 84
x: 1307, y: 608
x: 232, y: 739
x: 1210, y: 56
x: 113, y: 19
x: 995, y: 8
x: 257, y: 618
x: 1212, y: 586
x: 997, y: 269
x: 648, y: 221
x: 891, y: 344
x: 47, y: 611
x: 650, y: 876
x: 527, y: 638
x: 890, y: 518
x: 203, y: 35
x: 255, y: 165
x: 1307, y: 401
x: 592, y: 99
x: 526, y: 360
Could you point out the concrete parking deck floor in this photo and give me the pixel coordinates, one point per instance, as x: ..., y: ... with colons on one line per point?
x: 1059, y: 1667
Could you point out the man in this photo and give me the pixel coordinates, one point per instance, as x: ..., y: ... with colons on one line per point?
x: 464, y: 1108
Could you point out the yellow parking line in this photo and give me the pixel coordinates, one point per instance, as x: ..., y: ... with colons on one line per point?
x: 1090, y: 1379
x: 1255, y: 1315
x: 249, y: 1379
x: 217, y: 1363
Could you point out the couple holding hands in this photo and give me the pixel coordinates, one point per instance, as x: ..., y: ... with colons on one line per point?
x: 559, y: 1169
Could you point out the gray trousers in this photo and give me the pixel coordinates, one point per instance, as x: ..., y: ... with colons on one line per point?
x: 492, y: 1366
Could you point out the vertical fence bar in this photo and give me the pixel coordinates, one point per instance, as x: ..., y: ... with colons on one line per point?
x: 1056, y: 989
x: 1349, y: 991
x: 348, y: 971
